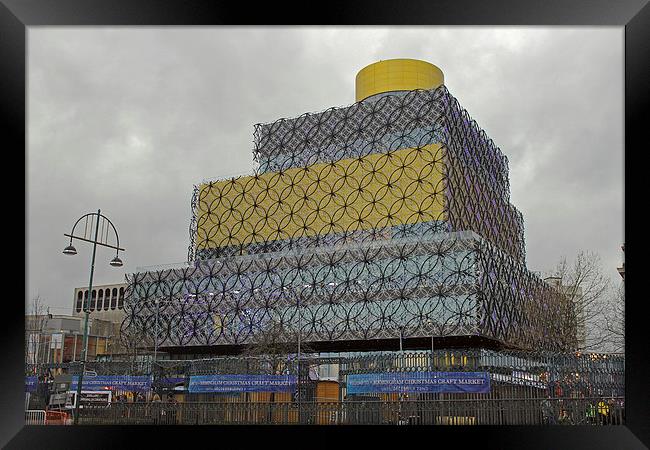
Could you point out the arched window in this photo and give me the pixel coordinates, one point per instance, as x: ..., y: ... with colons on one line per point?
x: 107, y: 298
x: 120, y: 303
x: 114, y: 299
x: 93, y: 299
x: 100, y: 300
x: 86, y: 300
x: 80, y: 296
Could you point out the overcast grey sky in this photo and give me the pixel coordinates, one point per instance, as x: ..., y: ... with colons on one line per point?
x: 129, y: 119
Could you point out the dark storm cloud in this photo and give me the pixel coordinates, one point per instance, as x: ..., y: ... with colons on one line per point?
x: 128, y: 120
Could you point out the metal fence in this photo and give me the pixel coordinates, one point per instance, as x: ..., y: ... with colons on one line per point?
x: 566, y: 411
x: 525, y: 389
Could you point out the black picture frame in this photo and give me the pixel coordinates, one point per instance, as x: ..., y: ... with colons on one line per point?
x: 17, y: 15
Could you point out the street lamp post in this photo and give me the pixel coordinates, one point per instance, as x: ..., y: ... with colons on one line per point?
x: 299, y: 374
x: 155, y: 347
x: 430, y: 322
x: 400, y: 364
x: 99, y: 238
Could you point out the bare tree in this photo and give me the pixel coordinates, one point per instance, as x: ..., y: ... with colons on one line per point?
x: 275, y: 343
x: 615, y: 321
x: 36, y: 317
x: 585, y: 285
x: 135, y: 339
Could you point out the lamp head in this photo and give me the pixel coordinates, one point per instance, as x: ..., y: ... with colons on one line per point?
x: 70, y: 250
x: 116, y: 262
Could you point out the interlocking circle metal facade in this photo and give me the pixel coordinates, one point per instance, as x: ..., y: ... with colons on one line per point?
x: 387, y: 218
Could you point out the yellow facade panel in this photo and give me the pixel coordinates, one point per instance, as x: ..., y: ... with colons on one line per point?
x: 379, y: 190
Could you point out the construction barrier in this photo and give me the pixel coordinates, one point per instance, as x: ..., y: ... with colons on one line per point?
x: 57, y: 418
x: 35, y: 417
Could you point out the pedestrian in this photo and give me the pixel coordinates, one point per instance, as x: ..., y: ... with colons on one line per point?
x: 548, y: 413
x: 121, y: 400
x: 170, y: 410
x: 591, y: 413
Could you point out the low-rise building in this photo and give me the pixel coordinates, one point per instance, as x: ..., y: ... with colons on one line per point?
x: 106, y: 302
x: 621, y: 270
x: 52, y: 339
x: 59, y: 338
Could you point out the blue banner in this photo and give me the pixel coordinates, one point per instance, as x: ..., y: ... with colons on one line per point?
x: 172, y: 381
x: 31, y: 383
x: 449, y: 382
x: 243, y: 383
x: 121, y: 382
x: 175, y: 383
